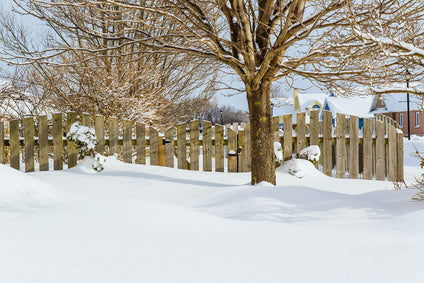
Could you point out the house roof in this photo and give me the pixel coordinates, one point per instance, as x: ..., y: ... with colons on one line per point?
x: 396, y: 102
x: 306, y: 99
x: 350, y: 105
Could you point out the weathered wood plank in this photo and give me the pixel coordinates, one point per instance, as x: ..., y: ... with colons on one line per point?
x: 240, y: 146
x: 14, y: 144
x: 232, y: 150
x: 100, y: 133
x: 127, y: 141
x: 207, y: 146
x: 341, y: 146
x: 161, y: 152
x: 140, y: 133
x: 327, y: 158
x: 29, y: 144
x: 367, y: 133
x: 86, y: 119
x: 181, y: 146
x: 113, y: 135
x: 154, y: 146
x: 194, y: 145
x: 276, y: 128
x: 392, y: 144
x: 300, y: 132
x: 71, y: 118
x: 2, y: 146
x: 380, y: 150
x: 247, y: 148
x: 169, y: 148
x: 400, y: 173
x: 219, y: 148
x: 235, y: 127
x: 43, y: 143
x: 354, y: 147
x: 57, y: 141
x: 314, y: 128
x: 288, y: 137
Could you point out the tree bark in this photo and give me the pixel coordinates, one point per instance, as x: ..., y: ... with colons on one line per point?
x: 261, y: 135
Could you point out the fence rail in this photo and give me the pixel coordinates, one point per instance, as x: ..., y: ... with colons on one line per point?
x: 376, y: 151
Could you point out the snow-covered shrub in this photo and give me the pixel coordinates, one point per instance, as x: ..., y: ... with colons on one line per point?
x: 85, y: 141
x: 278, y: 151
x: 310, y: 153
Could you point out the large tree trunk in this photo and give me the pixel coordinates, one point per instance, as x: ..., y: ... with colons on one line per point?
x: 261, y: 135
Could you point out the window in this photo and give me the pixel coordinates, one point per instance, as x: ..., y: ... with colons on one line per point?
x: 316, y: 107
x: 401, y: 120
x: 417, y: 119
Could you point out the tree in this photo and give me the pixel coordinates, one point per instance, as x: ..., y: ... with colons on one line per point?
x: 261, y: 41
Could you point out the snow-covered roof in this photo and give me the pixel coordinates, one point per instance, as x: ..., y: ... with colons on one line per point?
x: 306, y: 99
x: 396, y: 102
x: 350, y: 105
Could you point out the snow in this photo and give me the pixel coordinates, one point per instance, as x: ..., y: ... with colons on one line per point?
x: 138, y: 223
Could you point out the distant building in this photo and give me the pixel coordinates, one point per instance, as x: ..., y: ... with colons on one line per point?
x: 391, y: 105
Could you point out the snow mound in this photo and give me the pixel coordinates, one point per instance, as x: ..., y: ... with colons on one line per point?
x: 298, y: 168
x: 21, y: 192
x: 85, y: 166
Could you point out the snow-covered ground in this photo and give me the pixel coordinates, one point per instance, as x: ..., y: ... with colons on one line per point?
x: 135, y: 223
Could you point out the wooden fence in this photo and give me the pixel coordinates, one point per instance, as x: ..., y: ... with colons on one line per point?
x: 376, y: 151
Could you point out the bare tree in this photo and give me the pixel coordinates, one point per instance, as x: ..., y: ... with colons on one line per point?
x: 261, y: 41
x: 120, y: 80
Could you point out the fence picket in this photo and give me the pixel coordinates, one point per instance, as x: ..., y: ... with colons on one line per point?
x: 154, y: 146
x: 354, y: 147
x: 71, y: 148
x: 287, y: 137
x: 29, y: 144
x: 276, y: 128
x: 219, y: 148
x: 127, y: 141
x: 327, y: 160
x: 113, y: 135
x: 169, y: 148
x: 247, y: 147
x: 240, y: 148
x: 207, y: 146
x: 367, y: 145
x: 341, y: 146
x: 140, y: 133
x: 380, y: 150
x: 314, y: 130
x: 2, y: 147
x: 100, y: 133
x: 400, y: 174
x: 86, y: 119
x: 57, y: 141
x: 232, y: 151
x: 43, y: 143
x: 181, y: 146
x: 194, y: 145
x: 300, y: 132
x: 392, y: 153
x: 14, y: 144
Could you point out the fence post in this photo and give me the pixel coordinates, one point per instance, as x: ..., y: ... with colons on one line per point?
x: 314, y: 129
x: 72, y: 150
x: 219, y: 148
x: 169, y: 148
x: 327, y: 158
x: 194, y: 145
x: 207, y: 146
x: 341, y: 146
x: 181, y: 146
x: 288, y: 137
x: 380, y: 150
x: 43, y: 143
x: 57, y: 141
x: 154, y: 146
x: 127, y: 143
x: 232, y: 150
x: 113, y: 135
x: 367, y: 152
x: 29, y: 144
x: 392, y: 154
x: 100, y: 133
x: 140, y: 132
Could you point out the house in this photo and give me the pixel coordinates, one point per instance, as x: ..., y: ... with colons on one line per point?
x: 393, y: 105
